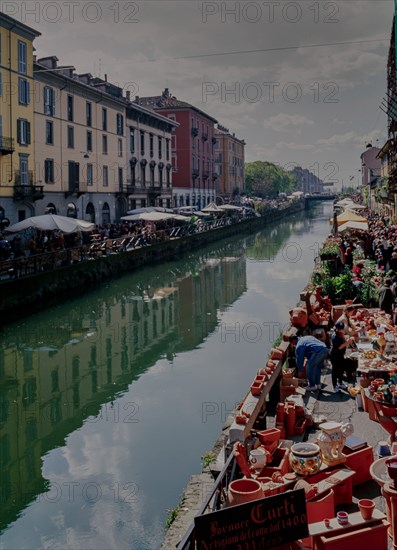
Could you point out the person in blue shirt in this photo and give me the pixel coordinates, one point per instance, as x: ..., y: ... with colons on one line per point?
x: 316, y: 352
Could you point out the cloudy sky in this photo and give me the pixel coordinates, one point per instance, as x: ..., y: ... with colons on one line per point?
x: 313, y: 106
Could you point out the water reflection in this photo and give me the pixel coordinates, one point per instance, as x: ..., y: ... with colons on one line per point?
x: 60, y: 368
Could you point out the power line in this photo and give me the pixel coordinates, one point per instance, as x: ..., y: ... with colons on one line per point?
x: 279, y: 49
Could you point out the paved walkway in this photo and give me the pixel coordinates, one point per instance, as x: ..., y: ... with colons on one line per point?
x: 325, y: 405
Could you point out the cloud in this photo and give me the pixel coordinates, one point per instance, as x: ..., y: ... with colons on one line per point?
x: 353, y: 138
x: 295, y: 146
x: 282, y: 121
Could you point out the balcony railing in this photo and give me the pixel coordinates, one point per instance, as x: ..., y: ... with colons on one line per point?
x: 195, y: 131
x: 6, y: 145
x: 154, y: 190
x: 29, y: 192
x: 26, y: 177
x: 77, y: 188
x: 206, y: 174
x: 195, y: 173
x: 126, y: 189
x: 205, y: 137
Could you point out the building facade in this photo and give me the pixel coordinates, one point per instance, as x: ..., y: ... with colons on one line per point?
x: 149, y: 169
x: 307, y: 182
x: 18, y: 181
x: 80, y: 144
x: 192, y: 150
x: 229, y: 163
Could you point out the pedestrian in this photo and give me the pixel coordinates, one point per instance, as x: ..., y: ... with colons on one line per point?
x: 340, y: 364
x: 316, y: 352
x: 386, y: 297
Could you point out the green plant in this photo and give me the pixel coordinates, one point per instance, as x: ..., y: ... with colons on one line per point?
x: 278, y: 340
x: 330, y: 248
x: 207, y: 459
x: 172, y: 515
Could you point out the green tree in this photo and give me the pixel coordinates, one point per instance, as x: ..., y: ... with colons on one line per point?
x: 265, y: 179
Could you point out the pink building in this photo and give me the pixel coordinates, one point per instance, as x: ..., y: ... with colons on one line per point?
x: 194, y: 174
x: 370, y: 165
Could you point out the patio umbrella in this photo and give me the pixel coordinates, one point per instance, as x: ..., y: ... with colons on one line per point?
x: 362, y: 226
x: 211, y: 207
x: 148, y: 209
x: 348, y: 216
x: 50, y: 222
x: 149, y: 217
x: 229, y: 207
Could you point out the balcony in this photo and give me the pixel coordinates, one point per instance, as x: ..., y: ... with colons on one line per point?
x: 215, y: 175
x: 206, y: 174
x: 195, y: 131
x: 28, y: 192
x: 125, y: 190
x: 154, y: 191
x: 78, y: 188
x: 6, y: 145
x: 204, y: 137
x: 213, y: 140
x: 195, y: 173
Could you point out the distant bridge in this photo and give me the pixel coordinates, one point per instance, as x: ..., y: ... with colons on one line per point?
x: 321, y: 198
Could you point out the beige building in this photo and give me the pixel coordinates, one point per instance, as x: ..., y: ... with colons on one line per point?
x: 80, y: 144
x: 229, y: 163
x: 149, y: 136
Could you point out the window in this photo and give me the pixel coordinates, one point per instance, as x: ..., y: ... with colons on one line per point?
x: 90, y: 177
x: 70, y: 108
x: 143, y: 176
x: 142, y: 142
x: 132, y: 140
x: 160, y: 148
x: 152, y: 176
x: 23, y: 170
x: 104, y: 119
x: 120, y: 147
x: 105, y: 176
x: 23, y: 91
x: 120, y: 178
x: 105, y: 145
x: 120, y: 124
x: 160, y: 177
x: 89, y: 141
x: 88, y: 113
x: 49, y: 101
x: 168, y: 177
x: 151, y: 145
x: 73, y: 178
x: 133, y: 174
x: 22, y: 56
x: 1, y: 83
x: 49, y: 170
x: 49, y: 132
x: 23, y: 131
x: 167, y: 149
x: 70, y: 137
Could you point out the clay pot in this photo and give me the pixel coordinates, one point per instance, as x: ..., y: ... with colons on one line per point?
x: 343, y: 518
x: 276, y: 354
x: 268, y: 436
x: 243, y: 490
x: 366, y: 507
x: 305, y: 458
x: 391, y: 464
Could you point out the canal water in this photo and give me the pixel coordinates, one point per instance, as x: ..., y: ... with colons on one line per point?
x: 108, y: 402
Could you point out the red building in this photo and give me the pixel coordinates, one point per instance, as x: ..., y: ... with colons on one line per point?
x: 194, y: 174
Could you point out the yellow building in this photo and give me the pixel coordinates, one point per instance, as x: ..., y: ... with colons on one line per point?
x: 229, y: 163
x: 17, y: 177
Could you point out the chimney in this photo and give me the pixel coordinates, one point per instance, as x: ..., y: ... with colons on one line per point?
x: 128, y: 95
x: 166, y: 92
x: 137, y: 99
x: 106, y: 77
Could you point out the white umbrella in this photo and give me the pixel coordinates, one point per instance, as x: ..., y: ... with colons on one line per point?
x: 149, y: 217
x: 363, y: 226
x: 149, y: 209
x: 50, y: 222
x: 355, y: 206
x: 229, y: 207
x: 211, y: 207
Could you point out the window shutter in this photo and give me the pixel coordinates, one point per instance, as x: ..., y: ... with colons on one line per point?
x: 27, y: 92
x: 28, y: 133
x: 19, y: 131
x: 77, y: 173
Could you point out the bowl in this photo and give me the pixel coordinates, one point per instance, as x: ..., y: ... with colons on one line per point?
x: 378, y: 471
x: 305, y: 458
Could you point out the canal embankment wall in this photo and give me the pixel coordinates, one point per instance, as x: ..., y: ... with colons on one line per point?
x: 22, y: 296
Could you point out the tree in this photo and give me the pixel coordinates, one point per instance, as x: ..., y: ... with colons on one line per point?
x: 265, y: 179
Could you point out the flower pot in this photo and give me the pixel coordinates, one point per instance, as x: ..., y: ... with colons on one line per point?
x: 343, y: 518
x: 243, y: 490
x: 391, y: 464
x: 366, y: 507
x: 305, y: 458
x: 268, y: 436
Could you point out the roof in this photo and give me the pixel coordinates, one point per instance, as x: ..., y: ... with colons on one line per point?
x: 168, y: 102
x: 12, y: 24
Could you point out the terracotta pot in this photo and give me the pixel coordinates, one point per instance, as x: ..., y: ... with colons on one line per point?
x: 305, y: 458
x: 268, y: 436
x: 366, y: 507
x: 243, y: 490
x: 276, y: 354
x: 391, y: 464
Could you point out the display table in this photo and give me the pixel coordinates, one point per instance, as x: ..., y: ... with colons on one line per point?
x: 358, y: 533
